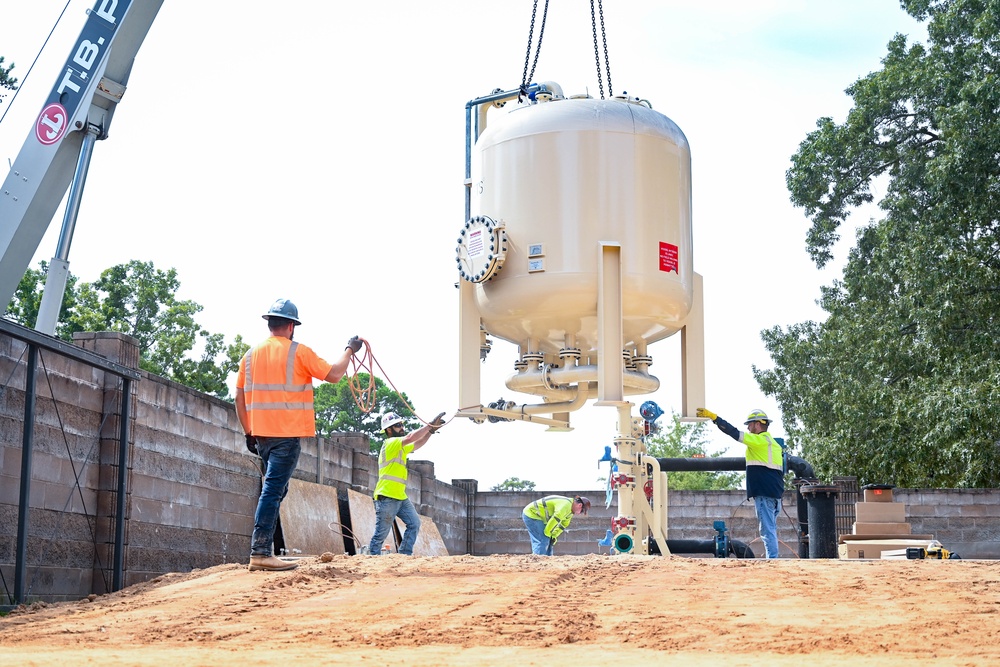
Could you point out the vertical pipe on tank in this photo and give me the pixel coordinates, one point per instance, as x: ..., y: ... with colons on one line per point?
x: 610, y: 372
x: 627, y: 459
x: 693, y: 351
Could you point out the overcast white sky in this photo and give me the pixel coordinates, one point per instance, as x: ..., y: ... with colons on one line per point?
x: 315, y: 151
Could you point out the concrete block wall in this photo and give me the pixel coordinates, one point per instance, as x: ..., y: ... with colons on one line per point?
x: 965, y: 521
x: 193, y: 486
x: 499, y: 528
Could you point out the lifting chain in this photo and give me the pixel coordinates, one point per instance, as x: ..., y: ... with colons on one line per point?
x: 597, y: 54
x: 526, y: 77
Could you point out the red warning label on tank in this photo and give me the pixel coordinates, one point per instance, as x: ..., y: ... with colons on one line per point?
x: 668, y: 257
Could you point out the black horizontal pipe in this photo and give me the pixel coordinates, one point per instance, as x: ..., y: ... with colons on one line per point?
x: 797, y: 465
x: 736, y: 548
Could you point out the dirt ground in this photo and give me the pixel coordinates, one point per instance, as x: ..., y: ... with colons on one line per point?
x: 529, y: 610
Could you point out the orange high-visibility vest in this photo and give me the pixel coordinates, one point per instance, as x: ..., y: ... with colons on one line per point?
x: 276, y: 378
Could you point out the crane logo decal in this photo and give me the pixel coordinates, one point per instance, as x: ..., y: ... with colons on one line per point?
x: 51, y: 125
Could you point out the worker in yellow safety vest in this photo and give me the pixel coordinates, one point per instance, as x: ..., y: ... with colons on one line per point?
x: 390, y: 491
x: 274, y: 403
x: 765, y: 470
x: 546, y: 519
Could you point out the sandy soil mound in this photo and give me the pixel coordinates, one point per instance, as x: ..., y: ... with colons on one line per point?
x: 526, y: 610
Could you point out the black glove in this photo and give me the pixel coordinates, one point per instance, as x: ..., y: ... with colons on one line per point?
x: 252, y: 444
x: 437, y: 423
x: 354, y: 344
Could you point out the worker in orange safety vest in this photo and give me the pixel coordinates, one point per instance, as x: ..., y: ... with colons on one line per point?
x: 274, y: 403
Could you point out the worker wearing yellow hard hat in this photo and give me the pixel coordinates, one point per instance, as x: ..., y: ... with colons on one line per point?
x: 765, y: 470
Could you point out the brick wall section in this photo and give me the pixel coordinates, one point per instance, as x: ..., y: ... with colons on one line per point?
x: 966, y: 521
x: 193, y: 487
x: 499, y: 528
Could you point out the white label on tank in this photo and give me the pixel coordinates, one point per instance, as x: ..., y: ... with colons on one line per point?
x: 536, y: 265
x: 475, y: 244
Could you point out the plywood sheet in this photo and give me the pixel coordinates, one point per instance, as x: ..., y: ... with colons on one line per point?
x: 362, y: 507
x: 429, y: 542
x: 310, y: 518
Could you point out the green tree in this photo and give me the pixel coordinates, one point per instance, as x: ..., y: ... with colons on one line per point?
x: 337, y: 410
x: 7, y: 82
x: 513, y: 484
x: 900, y: 383
x: 679, y: 439
x: 139, y: 300
x: 24, y: 305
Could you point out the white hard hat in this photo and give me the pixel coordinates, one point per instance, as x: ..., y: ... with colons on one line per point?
x: 390, y: 418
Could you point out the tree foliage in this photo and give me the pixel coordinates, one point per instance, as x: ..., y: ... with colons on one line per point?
x: 679, y: 439
x: 7, y: 82
x: 513, y: 484
x: 338, y: 412
x: 139, y: 300
x: 899, y: 384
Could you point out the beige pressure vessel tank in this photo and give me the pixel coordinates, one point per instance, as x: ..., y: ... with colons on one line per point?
x: 559, y: 178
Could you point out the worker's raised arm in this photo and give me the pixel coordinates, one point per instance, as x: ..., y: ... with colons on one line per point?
x: 723, y: 425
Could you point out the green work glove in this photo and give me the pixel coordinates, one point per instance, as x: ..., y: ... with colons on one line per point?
x: 702, y: 412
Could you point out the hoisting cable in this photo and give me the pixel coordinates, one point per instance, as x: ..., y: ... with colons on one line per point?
x: 526, y: 77
x: 597, y: 55
x: 365, y: 397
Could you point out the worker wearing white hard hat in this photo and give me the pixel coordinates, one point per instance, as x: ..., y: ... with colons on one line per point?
x: 390, y: 491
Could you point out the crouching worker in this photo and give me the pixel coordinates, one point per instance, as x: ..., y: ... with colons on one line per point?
x: 548, y: 517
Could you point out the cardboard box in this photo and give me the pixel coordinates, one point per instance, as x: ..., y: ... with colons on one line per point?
x: 874, y: 548
x: 878, y: 495
x: 880, y: 512
x: 882, y: 528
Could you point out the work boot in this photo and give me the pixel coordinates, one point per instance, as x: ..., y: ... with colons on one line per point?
x: 270, y: 563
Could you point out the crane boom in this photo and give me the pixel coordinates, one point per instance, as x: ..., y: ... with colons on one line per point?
x: 81, y: 104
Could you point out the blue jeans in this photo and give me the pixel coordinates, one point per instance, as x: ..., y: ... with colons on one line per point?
x: 279, y: 456
x: 386, y: 511
x: 540, y: 543
x: 767, y: 514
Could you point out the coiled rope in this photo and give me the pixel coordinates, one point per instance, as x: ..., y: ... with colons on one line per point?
x: 365, y: 394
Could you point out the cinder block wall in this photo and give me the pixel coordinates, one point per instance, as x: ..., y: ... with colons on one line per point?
x: 499, y: 528
x: 966, y: 521
x: 193, y: 487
